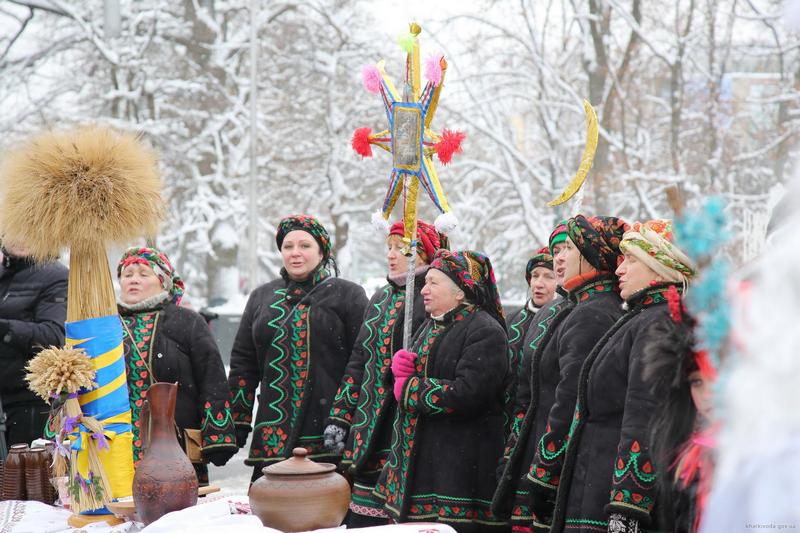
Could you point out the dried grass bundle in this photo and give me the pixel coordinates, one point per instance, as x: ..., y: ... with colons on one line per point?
x: 56, y: 370
x: 79, y: 188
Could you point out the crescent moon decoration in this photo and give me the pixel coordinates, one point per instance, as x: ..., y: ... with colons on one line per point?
x: 592, y: 133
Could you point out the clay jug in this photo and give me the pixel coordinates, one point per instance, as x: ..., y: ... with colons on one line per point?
x: 300, y: 495
x: 165, y: 480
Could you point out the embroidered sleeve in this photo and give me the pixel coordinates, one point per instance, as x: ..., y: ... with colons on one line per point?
x: 244, y: 374
x: 217, y: 428
x: 633, y: 485
x: 478, y: 381
x: 345, y: 401
x: 216, y: 425
x: 573, y: 346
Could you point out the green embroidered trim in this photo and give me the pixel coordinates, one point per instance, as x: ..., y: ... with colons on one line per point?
x: 382, y: 360
x: 217, y: 428
x: 451, y: 509
x: 433, y: 396
x: 628, y: 499
x: 293, y: 365
x: 645, y: 474
x: 140, y: 327
x: 242, y: 397
x: 301, y: 358
x: 391, y: 488
x: 379, y: 345
x: 586, y: 521
x: 275, y: 363
x: 599, y: 286
x: 514, y: 328
x: 242, y: 404
x: 221, y: 419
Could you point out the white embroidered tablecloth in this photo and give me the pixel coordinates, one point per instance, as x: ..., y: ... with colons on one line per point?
x: 210, y: 516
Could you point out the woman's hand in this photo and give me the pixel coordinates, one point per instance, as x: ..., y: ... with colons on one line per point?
x: 403, y: 364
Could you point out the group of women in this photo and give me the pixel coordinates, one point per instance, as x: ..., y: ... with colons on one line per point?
x: 543, y: 421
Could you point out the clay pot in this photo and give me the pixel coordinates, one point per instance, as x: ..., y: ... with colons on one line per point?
x: 165, y: 480
x: 300, y: 495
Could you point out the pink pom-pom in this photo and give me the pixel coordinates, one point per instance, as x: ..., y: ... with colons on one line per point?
x: 360, y: 142
x: 372, y: 79
x: 449, y: 145
x: 433, y: 70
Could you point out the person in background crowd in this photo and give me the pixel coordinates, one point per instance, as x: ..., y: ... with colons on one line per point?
x: 169, y: 343
x: 541, y: 281
x: 364, y: 406
x: 448, y: 430
x: 295, y: 338
x: 608, y: 478
x: 33, y: 309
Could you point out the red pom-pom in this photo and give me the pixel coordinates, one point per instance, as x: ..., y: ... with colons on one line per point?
x: 449, y: 145
x: 360, y: 142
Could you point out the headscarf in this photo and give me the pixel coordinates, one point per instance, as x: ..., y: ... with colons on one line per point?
x: 541, y: 259
x: 472, y: 272
x: 427, y: 237
x: 163, y: 269
x: 651, y: 243
x: 597, y: 238
x: 559, y: 235
x: 311, y: 226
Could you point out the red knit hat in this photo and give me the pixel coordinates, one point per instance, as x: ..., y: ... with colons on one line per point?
x: 427, y: 237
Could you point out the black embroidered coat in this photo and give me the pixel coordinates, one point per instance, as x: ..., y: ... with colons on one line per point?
x: 512, y: 496
x: 293, y: 343
x: 575, y: 330
x: 607, y: 467
x: 172, y: 344
x: 448, y: 432
x: 365, y: 400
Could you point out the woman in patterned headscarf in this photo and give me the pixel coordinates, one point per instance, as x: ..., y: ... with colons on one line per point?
x: 590, y: 256
x: 166, y: 342
x: 294, y: 340
x: 448, y: 430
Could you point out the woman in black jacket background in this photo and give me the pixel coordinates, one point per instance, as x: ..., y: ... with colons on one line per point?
x: 33, y: 308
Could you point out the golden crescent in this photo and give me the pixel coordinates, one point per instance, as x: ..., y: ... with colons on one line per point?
x: 592, y: 132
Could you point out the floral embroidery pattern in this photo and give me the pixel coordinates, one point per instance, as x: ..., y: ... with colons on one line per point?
x: 242, y: 404
x: 141, y: 329
x: 391, y: 486
x: 217, y: 426
x: 632, y: 480
x: 374, y: 393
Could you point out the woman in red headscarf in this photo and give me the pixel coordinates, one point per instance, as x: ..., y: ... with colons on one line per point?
x: 364, y: 406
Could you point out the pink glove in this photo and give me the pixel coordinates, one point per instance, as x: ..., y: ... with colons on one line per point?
x: 403, y: 364
x: 399, y: 383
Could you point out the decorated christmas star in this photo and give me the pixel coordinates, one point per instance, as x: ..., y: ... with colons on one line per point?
x: 409, y: 137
